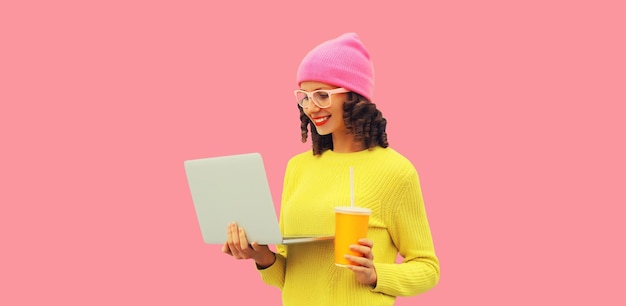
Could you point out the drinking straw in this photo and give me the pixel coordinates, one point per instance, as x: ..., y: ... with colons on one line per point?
x: 351, y: 187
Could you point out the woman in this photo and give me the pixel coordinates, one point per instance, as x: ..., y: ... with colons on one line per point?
x: 347, y: 130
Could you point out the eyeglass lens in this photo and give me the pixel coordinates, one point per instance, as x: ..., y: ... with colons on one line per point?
x: 320, y: 98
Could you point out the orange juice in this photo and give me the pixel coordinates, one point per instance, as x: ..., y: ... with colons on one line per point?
x: 351, y: 224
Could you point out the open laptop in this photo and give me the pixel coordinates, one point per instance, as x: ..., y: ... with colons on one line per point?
x: 234, y: 188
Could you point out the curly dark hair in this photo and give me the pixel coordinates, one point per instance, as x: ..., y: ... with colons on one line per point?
x: 362, y: 119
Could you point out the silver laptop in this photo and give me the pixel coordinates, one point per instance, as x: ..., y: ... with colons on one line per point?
x: 234, y: 188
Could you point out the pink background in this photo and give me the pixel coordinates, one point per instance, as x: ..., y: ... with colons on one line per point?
x: 513, y: 114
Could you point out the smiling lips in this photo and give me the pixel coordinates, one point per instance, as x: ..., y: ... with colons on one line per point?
x: 320, y: 120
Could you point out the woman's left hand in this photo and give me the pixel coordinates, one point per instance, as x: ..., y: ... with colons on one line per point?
x: 365, y: 272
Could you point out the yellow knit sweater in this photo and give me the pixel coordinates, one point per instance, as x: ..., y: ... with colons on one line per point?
x: 385, y: 182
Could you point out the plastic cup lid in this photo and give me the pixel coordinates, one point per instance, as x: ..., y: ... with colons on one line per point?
x: 353, y: 210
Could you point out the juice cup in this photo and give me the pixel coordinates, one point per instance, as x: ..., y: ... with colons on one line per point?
x: 351, y: 224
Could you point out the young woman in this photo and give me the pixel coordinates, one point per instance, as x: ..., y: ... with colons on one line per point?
x: 336, y: 81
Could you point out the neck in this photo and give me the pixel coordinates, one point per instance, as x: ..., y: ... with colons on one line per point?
x: 346, y: 144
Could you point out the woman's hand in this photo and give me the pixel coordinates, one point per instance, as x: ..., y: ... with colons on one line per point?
x: 237, y: 246
x: 365, y: 272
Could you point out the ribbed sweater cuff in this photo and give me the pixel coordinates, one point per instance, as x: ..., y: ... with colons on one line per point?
x: 274, y: 275
x: 383, y: 275
x: 392, y: 280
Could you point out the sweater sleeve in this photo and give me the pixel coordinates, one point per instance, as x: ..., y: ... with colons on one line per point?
x: 409, y: 229
x: 274, y: 275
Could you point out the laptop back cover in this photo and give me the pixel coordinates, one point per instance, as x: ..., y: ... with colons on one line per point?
x: 233, y: 188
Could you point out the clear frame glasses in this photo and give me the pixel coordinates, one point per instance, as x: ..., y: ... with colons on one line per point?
x: 321, y: 97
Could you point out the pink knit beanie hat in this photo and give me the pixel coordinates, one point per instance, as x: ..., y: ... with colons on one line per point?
x: 343, y: 61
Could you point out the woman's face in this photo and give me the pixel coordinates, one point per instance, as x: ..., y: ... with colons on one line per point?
x: 326, y: 120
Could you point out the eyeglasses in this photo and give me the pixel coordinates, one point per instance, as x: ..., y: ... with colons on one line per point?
x: 321, y: 97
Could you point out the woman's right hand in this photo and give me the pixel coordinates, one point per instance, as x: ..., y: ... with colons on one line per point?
x: 237, y: 246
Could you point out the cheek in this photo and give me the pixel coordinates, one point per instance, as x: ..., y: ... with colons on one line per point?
x: 337, y: 108
x: 337, y: 111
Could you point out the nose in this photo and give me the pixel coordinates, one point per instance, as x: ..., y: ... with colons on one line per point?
x: 311, y: 108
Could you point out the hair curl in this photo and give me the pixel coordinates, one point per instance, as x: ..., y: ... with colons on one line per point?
x: 362, y: 119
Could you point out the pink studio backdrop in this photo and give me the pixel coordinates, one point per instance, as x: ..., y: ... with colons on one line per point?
x: 513, y: 114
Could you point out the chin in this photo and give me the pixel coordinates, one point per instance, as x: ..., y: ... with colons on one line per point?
x: 322, y: 132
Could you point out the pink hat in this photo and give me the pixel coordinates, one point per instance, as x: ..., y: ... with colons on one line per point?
x: 343, y: 61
